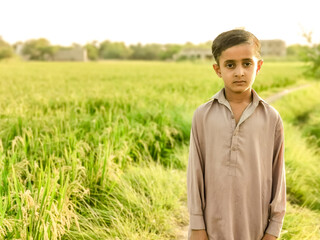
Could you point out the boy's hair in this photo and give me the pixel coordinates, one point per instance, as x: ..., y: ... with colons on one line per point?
x: 232, y: 38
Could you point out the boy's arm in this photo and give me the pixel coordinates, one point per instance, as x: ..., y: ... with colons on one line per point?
x: 198, y: 235
x: 278, y: 198
x: 268, y: 237
x: 195, y: 178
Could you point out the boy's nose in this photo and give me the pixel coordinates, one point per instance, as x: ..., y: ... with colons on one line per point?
x: 239, y: 72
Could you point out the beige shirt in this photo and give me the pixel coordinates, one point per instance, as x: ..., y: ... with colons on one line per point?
x: 236, y: 176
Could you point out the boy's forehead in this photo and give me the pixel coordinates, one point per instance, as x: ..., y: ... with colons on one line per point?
x: 239, y: 52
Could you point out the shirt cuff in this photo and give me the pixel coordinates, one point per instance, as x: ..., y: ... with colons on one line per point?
x: 197, y: 222
x: 274, y: 228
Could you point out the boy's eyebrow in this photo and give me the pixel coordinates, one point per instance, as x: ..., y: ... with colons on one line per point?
x: 247, y: 59
x: 231, y: 60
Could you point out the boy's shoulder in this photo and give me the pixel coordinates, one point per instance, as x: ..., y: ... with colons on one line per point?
x: 265, y: 105
x: 205, y: 106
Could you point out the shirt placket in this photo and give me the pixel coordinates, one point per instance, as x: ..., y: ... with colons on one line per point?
x: 232, y: 170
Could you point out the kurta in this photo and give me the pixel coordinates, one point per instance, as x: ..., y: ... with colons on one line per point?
x: 236, y: 176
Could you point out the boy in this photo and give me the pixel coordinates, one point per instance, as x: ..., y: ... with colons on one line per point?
x: 236, y: 176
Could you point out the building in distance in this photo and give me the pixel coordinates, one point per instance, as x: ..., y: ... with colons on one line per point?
x: 73, y: 53
x: 76, y: 53
x: 273, y: 48
x: 269, y: 48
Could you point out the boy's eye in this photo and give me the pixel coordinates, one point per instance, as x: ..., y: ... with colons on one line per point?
x: 229, y: 65
x: 247, y: 64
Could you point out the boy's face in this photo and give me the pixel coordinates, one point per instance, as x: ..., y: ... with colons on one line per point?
x: 238, y: 67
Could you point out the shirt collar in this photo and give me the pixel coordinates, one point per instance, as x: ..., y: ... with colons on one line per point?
x: 220, y: 96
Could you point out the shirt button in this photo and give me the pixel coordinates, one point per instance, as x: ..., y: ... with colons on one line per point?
x: 234, y: 148
x: 232, y: 117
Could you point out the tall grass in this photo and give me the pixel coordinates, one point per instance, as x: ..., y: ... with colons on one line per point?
x: 99, y: 150
x: 300, y: 223
x: 302, y: 220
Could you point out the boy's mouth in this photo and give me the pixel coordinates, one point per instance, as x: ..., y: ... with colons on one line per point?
x: 240, y: 81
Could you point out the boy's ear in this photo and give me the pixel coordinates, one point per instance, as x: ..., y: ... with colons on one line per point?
x: 217, y: 69
x: 259, y: 64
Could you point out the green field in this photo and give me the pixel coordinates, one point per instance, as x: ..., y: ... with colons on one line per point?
x: 99, y: 150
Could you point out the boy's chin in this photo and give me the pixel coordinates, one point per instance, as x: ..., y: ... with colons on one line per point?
x: 240, y: 89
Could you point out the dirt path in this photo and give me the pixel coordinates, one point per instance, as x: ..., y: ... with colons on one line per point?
x: 276, y: 96
x: 183, y: 233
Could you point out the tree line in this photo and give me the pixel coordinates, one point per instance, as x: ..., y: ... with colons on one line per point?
x: 41, y: 49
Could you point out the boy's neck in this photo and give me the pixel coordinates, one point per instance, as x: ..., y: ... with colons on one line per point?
x: 244, y: 97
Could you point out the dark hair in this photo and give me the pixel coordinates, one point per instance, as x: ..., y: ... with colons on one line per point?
x: 232, y: 38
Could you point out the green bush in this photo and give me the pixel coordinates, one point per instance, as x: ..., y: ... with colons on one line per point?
x: 6, y: 50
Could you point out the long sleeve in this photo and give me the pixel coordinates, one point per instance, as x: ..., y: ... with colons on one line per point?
x: 195, y: 178
x: 278, y: 198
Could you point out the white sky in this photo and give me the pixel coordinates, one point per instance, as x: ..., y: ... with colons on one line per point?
x: 156, y: 21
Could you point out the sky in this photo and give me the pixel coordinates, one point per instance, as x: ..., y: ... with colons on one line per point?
x: 65, y: 22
